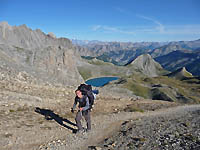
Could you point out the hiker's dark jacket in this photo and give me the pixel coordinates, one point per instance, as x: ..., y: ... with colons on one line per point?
x: 83, y: 102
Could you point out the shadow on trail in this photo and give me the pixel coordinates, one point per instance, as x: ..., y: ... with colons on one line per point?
x: 50, y: 115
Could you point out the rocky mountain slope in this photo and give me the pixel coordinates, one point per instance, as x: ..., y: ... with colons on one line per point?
x: 38, y: 77
x: 179, y: 59
x: 180, y: 74
x: 119, y: 48
x: 120, y: 53
x: 43, y: 56
x: 143, y: 65
x: 24, y: 37
x: 172, y: 129
x: 146, y: 65
x: 144, y: 78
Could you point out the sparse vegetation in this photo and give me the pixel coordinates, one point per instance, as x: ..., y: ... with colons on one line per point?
x: 19, y: 49
x: 138, y: 89
x: 176, y: 90
x: 98, y: 62
x: 28, y: 59
x: 25, y: 87
x: 85, y: 73
x: 11, y: 110
x: 133, y: 108
x: 187, y: 90
x: 135, y: 85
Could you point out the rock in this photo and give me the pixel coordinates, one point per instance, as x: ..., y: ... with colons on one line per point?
x: 98, y: 148
x: 43, y: 56
x: 146, y: 64
x: 167, y: 131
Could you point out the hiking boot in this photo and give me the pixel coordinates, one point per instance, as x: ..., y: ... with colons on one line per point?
x: 80, y: 132
x: 88, y: 130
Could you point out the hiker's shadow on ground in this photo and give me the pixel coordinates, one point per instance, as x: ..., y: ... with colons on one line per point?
x: 50, y: 115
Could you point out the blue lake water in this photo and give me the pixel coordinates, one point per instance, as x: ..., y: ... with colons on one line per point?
x: 98, y: 82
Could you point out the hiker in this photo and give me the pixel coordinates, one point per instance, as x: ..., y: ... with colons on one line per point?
x: 84, y: 110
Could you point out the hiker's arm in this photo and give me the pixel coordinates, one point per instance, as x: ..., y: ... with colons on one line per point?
x: 75, y: 103
x: 87, y: 106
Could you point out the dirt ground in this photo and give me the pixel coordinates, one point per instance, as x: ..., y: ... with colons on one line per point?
x: 33, y: 115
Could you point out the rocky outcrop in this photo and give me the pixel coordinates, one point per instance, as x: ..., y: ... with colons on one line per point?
x: 24, y: 37
x: 173, y: 129
x: 146, y: 65
x: 167, y: 93
x: 179, y: 59
x: 180, y: 74
x: 43, y: 56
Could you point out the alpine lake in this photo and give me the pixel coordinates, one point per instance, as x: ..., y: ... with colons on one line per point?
x: 101, y: 81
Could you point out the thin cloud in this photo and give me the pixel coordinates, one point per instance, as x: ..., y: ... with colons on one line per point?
x: 96, y: 27
x: 170, y: 30
x: 121, y: 10
x: 111, y: 29
x: 160, y: 27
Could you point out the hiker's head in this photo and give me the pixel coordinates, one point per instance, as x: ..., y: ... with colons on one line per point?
x: 79, y: 93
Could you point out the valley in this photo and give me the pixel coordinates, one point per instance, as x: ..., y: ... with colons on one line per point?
x: 39, y: 74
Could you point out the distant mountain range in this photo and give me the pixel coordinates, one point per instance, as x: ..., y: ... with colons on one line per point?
x: 57, y: 60
x: 31, y: 54
x: 122, y: 53
x: 179, y: 59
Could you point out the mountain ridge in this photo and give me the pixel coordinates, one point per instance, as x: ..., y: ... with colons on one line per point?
x: 179, y: 59
x: 124, y: 53
x: 39, y: 54
x: 180, y: 74
x: 146, y: 64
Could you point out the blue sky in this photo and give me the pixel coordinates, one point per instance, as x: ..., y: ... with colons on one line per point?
x: 108, y: 20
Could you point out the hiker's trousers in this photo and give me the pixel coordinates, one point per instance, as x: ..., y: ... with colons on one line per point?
x: 86, y: 115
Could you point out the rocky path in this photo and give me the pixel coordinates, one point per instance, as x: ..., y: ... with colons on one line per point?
x: 22, y: 128
x: 172, y: 128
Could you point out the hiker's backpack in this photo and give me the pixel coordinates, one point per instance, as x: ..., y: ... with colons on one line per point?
x: 87, y: 90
